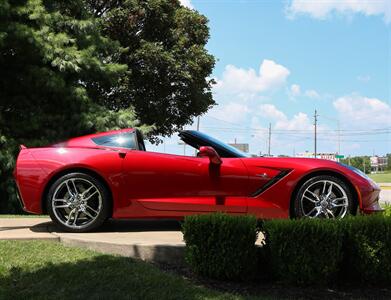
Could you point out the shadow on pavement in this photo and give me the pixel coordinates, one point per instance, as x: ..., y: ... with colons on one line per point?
x: 140, y: 225
x: 112, y: 225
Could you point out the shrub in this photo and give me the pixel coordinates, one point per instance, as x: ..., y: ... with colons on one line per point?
x: 367, y: 249
x: 221, y: 246
x: 387, y: 210
x: 306, y: 251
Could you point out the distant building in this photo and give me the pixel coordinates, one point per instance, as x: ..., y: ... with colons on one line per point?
x: 378, y: 163
x: 242, y: 147
x: 328, y: 156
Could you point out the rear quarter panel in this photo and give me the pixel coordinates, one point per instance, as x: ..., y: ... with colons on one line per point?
x: 35, y: 168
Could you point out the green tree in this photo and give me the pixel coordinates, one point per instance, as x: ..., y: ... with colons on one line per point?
x: 53, y: 59
x: 168, y: 65
x: 360, y: 162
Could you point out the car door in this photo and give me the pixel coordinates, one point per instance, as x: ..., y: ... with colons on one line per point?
x: 169, y: 182
x: 228, y: 183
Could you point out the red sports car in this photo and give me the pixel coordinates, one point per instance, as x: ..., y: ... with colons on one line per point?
x: 85, y: 180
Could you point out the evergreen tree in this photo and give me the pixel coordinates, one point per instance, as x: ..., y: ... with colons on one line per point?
x: 53, y: 59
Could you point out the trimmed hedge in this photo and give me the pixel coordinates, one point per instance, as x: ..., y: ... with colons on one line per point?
x: 307, y: 251
x: 367, y: 249
x: 221, y: 246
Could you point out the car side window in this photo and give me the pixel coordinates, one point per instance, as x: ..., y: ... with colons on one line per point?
x: 119, y: 140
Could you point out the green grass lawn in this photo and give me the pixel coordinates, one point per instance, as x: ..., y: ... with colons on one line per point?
x: 7, y: 216
x: 381, y: 177
x: 48, y: 270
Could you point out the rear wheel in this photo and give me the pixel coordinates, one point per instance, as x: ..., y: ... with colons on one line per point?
x: 78, y: 202
x: 324, y: 197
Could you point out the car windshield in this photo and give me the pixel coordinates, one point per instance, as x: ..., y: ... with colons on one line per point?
x: 219, y: 146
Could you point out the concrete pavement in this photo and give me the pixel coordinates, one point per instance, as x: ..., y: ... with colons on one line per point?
x: 385, y: 196
x: 26, y: 229
x: 149, y: 240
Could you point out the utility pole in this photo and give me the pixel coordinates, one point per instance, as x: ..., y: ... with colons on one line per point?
x: 339, y: 137
x: 338, y: 131
x: 184, y: 147
x: 270, y: 138
x: 315, y: 133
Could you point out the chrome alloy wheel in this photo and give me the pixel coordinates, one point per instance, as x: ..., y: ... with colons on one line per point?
x: 76, y: 202
x: 324, y: 199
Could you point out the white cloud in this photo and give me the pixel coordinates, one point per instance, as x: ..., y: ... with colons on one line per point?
x: 295, y: 90
x: 270, y: 111
x: 300, y: 121
x: 232, y: 112
x: 323, y: 9
x: 247, y: 81
x: 187, y: 3
x: 312, y: 94
x: 363, y: 78
x: 363, y: 110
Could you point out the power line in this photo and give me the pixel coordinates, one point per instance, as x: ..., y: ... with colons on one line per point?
x: 307, y: 131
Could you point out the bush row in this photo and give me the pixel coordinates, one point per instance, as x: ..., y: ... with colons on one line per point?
x: 221, y: 246
x: 307, y: 251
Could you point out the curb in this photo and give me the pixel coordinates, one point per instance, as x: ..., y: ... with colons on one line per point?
x: 168, y: 254
x: 170, y: 251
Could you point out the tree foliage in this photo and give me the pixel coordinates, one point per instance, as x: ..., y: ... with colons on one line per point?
x: 52, y: 59
x: 168, y: 65
x: 360, y: 162
x: 69, y: 67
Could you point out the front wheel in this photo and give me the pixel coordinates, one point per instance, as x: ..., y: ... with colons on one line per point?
x: 324, y: 197
x: 78, y: 202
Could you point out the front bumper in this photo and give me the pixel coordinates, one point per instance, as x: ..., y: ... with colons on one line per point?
x: 373, y: 208
x: 371, y: 200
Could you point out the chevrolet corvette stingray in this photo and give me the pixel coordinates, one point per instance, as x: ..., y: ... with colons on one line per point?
x: 84, y: 181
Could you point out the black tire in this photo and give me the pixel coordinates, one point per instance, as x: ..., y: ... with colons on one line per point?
x: 102, y: 200
x: 300, y: 206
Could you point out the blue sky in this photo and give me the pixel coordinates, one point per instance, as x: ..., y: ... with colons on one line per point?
x: 279, y: 61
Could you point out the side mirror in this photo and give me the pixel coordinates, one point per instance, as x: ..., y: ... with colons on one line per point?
x: 207, y: 151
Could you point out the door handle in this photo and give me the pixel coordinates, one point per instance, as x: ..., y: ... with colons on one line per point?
x: 122, y: 154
